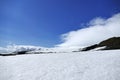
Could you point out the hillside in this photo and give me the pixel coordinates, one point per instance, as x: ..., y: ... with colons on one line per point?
x: 109, y: 44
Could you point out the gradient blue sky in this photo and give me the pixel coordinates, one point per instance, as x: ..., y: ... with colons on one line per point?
x: 41, y: 22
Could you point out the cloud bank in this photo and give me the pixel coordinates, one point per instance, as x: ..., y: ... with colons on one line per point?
x: 97, y: 30
x: 13, y: 48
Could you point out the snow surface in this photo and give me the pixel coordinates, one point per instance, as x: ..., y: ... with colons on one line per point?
x: 91, y: 65
x: 98, y: 48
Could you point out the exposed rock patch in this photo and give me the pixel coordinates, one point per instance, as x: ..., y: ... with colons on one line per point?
x: 111, y: 43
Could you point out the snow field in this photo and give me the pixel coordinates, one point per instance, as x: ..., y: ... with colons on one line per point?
x: 92, y: 65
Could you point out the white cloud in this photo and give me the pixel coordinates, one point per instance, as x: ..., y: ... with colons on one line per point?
x: 12, y: 48
x: 98, y: 29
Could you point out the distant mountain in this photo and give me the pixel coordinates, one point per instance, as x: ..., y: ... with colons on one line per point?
x: 18, y: 49
x: 109, y: 44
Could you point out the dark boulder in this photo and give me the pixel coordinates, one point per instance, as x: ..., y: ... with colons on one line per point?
x: 22, y: 52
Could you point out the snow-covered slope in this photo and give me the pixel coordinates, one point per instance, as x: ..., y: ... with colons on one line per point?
x: 92, y: 65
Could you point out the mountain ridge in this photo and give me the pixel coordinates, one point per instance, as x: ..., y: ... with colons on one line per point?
x: 110, y: 44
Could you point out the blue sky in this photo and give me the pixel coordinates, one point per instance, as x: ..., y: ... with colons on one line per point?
x: 41, y: 22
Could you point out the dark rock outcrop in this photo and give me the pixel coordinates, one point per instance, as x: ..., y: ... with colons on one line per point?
x: 111, y: 43
x: 21, y: 52
x: 14, y: 53
x: 89, y: 47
